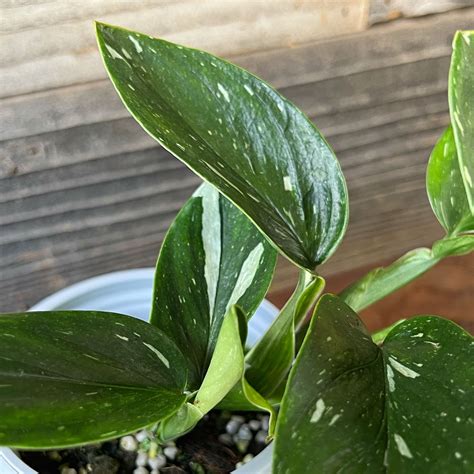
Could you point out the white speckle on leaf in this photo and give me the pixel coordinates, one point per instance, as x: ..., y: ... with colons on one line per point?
x: 457, y: 455
x: 334, y: 419
x: 329, y: 339
x: 136, y: 43
x: 248, y: 89
x: 180, y: 146
x: 91, y: 393
x: 223, y: 91
x: 158, y: 353
x: 124, y: 338
x: 466, y: 37
x: 390, y: 379
x: 318, y: 412
x: 125, y: 53
x: 113, y: 53
x: 287, y: 183
x: 420, y: 334
x: 402, y: 446
x: 402, y: 369
x: 435, y: 344
x: 467, y: 176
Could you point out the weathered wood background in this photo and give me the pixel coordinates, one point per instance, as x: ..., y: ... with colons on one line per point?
x: 85, y: 191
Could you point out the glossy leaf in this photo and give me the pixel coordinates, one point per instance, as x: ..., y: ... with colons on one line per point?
x: 445, y: 187
x: 212, y: 258
x: 382, y: 281
x: 224, y: 372
x: 269, y: 361
x: 401, y: 408
x: 461, y: 106
x: 238, y: 133
x: 72, y: 377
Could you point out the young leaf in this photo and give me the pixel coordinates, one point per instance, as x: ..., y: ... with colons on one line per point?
x: 445, y: 187
x: 212, y: 258
x: 225, y: 370
x: 461, y: 107
x: 72, y: 377
x: 269, y: 361
x: 404, y: 407
x: 382, y: 281
x: 238, y: 133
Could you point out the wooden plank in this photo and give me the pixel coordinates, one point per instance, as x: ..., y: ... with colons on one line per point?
x: 383, y: 10
x: 55, y: 44
x: 328, y: 66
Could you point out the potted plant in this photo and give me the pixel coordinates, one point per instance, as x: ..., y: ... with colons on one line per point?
x: 342, y: 400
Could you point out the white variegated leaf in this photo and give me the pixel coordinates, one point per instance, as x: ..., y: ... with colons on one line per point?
x: 212, y: 258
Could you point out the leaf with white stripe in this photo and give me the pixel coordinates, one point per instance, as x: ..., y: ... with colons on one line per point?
x: 213, y: 257
x: 400, y: 408
x: 445, y: 187
x: 75, y: 377
x: 461, y: 107
x: 238, y: 133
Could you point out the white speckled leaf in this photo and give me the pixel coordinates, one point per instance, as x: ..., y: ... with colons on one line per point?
x: 238, y: 133
x: 445, y: 187
x: 461, y: 106
x: 212, y: 258
x: 401, y: 408
x: 75, y: 377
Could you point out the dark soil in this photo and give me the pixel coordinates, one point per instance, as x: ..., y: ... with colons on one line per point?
x: 200, y: 452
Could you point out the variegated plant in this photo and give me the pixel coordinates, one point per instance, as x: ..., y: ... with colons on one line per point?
x: 396, y: 401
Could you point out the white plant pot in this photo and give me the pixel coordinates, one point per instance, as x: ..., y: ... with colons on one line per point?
x: 129, y: 292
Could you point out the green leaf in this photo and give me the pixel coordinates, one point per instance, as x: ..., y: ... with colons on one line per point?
x: 461, y: 106
x: 451, y: 246
x: 445, y: 187
x: 238, y: 133
x: 404, y: 407
x: 382, y: 281
x: 225, y: 370
x: 72, y: 377
x: 269, y: 361
x: 212, y: 258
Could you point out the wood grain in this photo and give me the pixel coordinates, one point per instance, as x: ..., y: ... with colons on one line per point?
x: 85, y: 191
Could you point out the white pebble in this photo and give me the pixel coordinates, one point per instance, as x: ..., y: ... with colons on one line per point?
x: 254, y: 425
x: 141, y: 470
x: 247, y: 458
x: 244, y: 433
x: 239, y: 419
x: 265, y: 423
x: 128, y: 443
x: 68, y: 470
x: 170, y: 452
x: 157, y: 462
x: 142, y: 436
x: 142, y: 459
x: 261, y: 437
x: 239, y: 464
x: 232, y: 427
x: 155, y: 471
x: 241, y: 444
